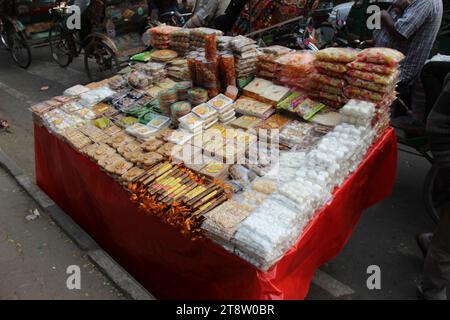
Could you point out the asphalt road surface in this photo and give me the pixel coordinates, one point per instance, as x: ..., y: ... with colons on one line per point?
x: 384, y: 236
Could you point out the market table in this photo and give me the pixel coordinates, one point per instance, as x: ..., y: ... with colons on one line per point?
x: 173, y: 267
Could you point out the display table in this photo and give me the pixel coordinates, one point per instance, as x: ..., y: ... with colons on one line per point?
x: 173, y: 267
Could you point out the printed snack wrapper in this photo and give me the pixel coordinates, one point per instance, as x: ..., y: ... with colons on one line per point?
x: 326, y: 88
x: 363, y: 94
x: 343, y: 55
x: 331, y: 66
x: 372, y: 67
x: 370, y: 85
x: 387, y: 56
x: 373, y: 77
x: 328, y: 80
x: 308, y: 108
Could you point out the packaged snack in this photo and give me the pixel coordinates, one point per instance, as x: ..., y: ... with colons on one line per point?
x: 325, y: 88
x: 163, y: 55
x: 151, y: 158
x: 179, y: 137
x: 341, y: 55
x: 220, y: 102
x: 102, y: 123
x: 372, y: 67
x: 331, y: 66
x: 152, y: 144
x: 292, y: 101
x: 197, y: 96
x: 232, y: 92
x: 308, y: 108
x: 370, y: 85
x: 159, y: 122
x: 76, y: 90
x: 373, y: 77
x: 191, y: 122
x: 252, y: 107
x: 205, y: 111
x: 274, y: 94
x: 325, y: 79
x: 246, y: 122
x: 386, y: 56
x: 363, y: 94
x: 132, y: 174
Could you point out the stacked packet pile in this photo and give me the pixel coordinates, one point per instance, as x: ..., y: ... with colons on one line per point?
x: 178, y: 69
x: 179, y: 110
x: 328, y: 83
x: 180, y: 41
x: 156, y: 72
x: 197, y: 96
x: 223, y: 43
x: 160, y: 36
x: 302, y: 184
x: 166, y: 99
x: 294, y: 69
x: 373, y: 76
x: 224, y: 107
x: 359, y: 113
x: 197, y: 39
x: 191, y: 123
x: 266, y: 64
x: 208, y: 114
x: 244, y: 50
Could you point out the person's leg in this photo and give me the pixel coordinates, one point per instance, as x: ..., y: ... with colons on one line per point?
x: 436, y: 274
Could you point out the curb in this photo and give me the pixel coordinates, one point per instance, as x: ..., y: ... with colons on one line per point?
x: 105, y: 263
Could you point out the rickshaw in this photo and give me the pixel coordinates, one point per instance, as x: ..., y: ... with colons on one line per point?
x: 115, y: 34
x: 12, y: 33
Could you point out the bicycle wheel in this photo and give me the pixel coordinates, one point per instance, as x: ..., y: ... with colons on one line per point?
x: 4, y: 39
x: 100, y: 61
x: 20, y: 50
x: 61, y: 44
x: 432, y: 194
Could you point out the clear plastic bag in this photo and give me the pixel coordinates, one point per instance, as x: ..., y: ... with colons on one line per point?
x: 343, y: 55
x: 387, y: 56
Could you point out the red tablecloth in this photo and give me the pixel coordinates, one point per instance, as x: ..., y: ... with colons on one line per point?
x: 172, y: 267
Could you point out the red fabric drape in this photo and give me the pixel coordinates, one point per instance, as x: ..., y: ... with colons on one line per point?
x: 171, y: 266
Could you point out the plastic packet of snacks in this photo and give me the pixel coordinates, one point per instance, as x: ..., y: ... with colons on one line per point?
x: 372, y: 67
x: 387, y: 56
x: 370, y: 85
x: 331, y: 66
x: 327, y: 80
x: 343, y: 55
x: 373, y: 77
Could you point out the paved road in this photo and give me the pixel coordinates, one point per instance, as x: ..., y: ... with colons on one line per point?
x: 35, y: 254
x: 384, y: 236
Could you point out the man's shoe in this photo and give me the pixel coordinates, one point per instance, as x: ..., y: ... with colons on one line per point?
x: 424, y: 241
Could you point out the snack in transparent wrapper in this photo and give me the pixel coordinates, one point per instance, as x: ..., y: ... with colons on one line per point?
x: 387, y: 56
x: 370, y: 85
x: 342, y: 55
x: 331, y: 66
x: 363, y: 94
x: 376, y: 78
x: 372, y: 67
x: 328, y: 80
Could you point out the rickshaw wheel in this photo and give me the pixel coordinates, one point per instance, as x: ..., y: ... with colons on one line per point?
x: 431, y: 194
x: 60, y: 46
x: 20, y: 50
x: 100, y: 61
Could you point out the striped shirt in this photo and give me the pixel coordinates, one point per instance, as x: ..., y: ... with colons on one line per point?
x: 418, y: 26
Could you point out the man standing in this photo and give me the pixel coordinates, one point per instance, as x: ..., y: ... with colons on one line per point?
x: 436, y: 246
x: 413, y: 33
